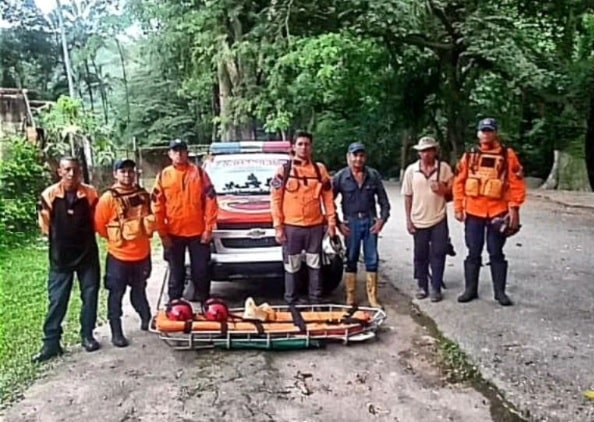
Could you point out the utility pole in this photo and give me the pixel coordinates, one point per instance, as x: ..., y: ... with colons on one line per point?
x: 71, y: 91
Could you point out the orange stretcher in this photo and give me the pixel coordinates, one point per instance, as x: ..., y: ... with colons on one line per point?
x: 281, y: 327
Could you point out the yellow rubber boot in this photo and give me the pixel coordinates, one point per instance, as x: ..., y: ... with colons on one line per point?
x: 350, y: 282
x: 372, y: 290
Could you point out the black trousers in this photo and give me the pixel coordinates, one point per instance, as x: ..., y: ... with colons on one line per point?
x: 430, y: 247
x: 59, y: 287
x: 199, y: 266
x: 121, y: 274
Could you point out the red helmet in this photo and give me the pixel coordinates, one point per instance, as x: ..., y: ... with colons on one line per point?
x: 215, y: 310
x: 179, y: 310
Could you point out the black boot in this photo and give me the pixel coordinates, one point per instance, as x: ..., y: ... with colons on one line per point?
x: 499, y: 277
x: 471, y: 276
x: 89, y: 343
x: 117, y: 337
x: 47, y: 352
x: 145, y: 320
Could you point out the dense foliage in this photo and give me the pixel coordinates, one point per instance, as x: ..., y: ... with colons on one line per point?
x: 383, y: 71
x: 22, y: 178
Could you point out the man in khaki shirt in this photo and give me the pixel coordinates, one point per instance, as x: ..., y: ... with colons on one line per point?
x: 425, y: 185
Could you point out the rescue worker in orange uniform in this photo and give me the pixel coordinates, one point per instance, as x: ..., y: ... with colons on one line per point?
x: 186, y: 208
x: 488, y: 191
x: 299, y: 189
x: 66, y: 215
x: 124, y: 217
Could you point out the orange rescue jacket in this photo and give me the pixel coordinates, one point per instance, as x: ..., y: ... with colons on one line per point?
x: 184, y: 201
x: 488, y: 182
x: 298, y: 200
x: 124, y: 218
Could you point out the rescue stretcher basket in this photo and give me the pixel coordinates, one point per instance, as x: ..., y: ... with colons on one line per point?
x: 290, y: 328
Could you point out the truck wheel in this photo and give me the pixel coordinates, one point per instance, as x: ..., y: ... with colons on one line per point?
x: 331, y: 276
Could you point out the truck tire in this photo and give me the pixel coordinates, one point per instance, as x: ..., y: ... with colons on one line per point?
x: 331, y: 276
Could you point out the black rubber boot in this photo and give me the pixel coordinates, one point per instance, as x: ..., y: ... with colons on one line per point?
x: 499, y: 277
x: 47, y: 352
x: 145, y: 321
x: 117, y: 336
x: 471, y: 276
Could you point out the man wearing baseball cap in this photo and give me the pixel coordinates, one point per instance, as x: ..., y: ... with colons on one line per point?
x: 124, y: 217
x: 489, y: 187
x: 185, y: 206
x: 425, y: 185
x: 360, y: 186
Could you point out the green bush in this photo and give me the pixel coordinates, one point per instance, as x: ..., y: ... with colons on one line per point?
x: 22, y: 178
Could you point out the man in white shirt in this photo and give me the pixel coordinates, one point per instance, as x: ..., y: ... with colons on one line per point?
x: 427, y: 186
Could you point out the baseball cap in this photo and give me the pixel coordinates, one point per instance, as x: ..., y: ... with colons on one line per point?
x: 488, y: 123
x: 178, y: 144
x: 356, y: 147
x: 123, y: 162
x: 426, y: 142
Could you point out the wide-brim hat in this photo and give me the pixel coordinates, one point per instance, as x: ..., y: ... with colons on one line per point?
x: 426, y: 142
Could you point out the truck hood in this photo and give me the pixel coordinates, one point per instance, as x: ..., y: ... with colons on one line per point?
x: 244, y: 209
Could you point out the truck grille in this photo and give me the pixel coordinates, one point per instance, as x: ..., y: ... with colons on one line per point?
x: 246, y: 242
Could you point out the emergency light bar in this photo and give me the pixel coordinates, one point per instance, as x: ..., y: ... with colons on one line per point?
x: 220, y: 148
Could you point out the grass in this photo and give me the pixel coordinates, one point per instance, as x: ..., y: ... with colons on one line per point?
x: 456, y: 364
x: 23, y: 301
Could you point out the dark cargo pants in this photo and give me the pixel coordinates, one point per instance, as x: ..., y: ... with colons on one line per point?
x: 474, y: 233
x: 199, y: 266
x: 59, y: 288
x: 299, y: 239
x: 120, y: 274
x: 430, y: 249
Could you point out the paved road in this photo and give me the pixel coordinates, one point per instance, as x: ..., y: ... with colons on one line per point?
x: 540, y: 352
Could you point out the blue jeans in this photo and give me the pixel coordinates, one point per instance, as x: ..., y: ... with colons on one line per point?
x: 474, y: 231
x: 359, y: 233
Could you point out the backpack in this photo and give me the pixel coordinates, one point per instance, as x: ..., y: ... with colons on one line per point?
x: 449, y: 197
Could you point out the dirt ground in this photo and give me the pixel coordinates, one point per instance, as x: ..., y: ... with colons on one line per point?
x: 393, y: 378
x: 537, y: 353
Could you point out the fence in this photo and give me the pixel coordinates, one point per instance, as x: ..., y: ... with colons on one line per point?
x: 149, y: 161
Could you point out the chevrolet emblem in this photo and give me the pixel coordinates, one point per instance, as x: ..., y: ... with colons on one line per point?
x: 256, y: 233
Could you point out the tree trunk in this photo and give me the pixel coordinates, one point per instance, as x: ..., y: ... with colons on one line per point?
x: 104, y: 100
x: 553, y: 179
x: 589, y: 141
x: 89, y: 86
x: 573, y: 174
x: 225, y: 118
x: 125, y: 78
x: 454, y: 110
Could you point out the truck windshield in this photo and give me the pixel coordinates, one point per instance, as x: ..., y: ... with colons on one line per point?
x: 242, y: 179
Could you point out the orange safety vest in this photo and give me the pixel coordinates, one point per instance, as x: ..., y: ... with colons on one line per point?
x: 125, y: 219
x: 488, y: 182
x: 297, y: 194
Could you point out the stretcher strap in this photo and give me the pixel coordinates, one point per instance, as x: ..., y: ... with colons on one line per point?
x: 298, y: 319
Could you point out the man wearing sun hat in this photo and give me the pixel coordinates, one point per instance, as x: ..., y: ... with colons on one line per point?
x: 489, y: 189
x: 425, y: 185
x: 124, y: 217
x: 359, y: 185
